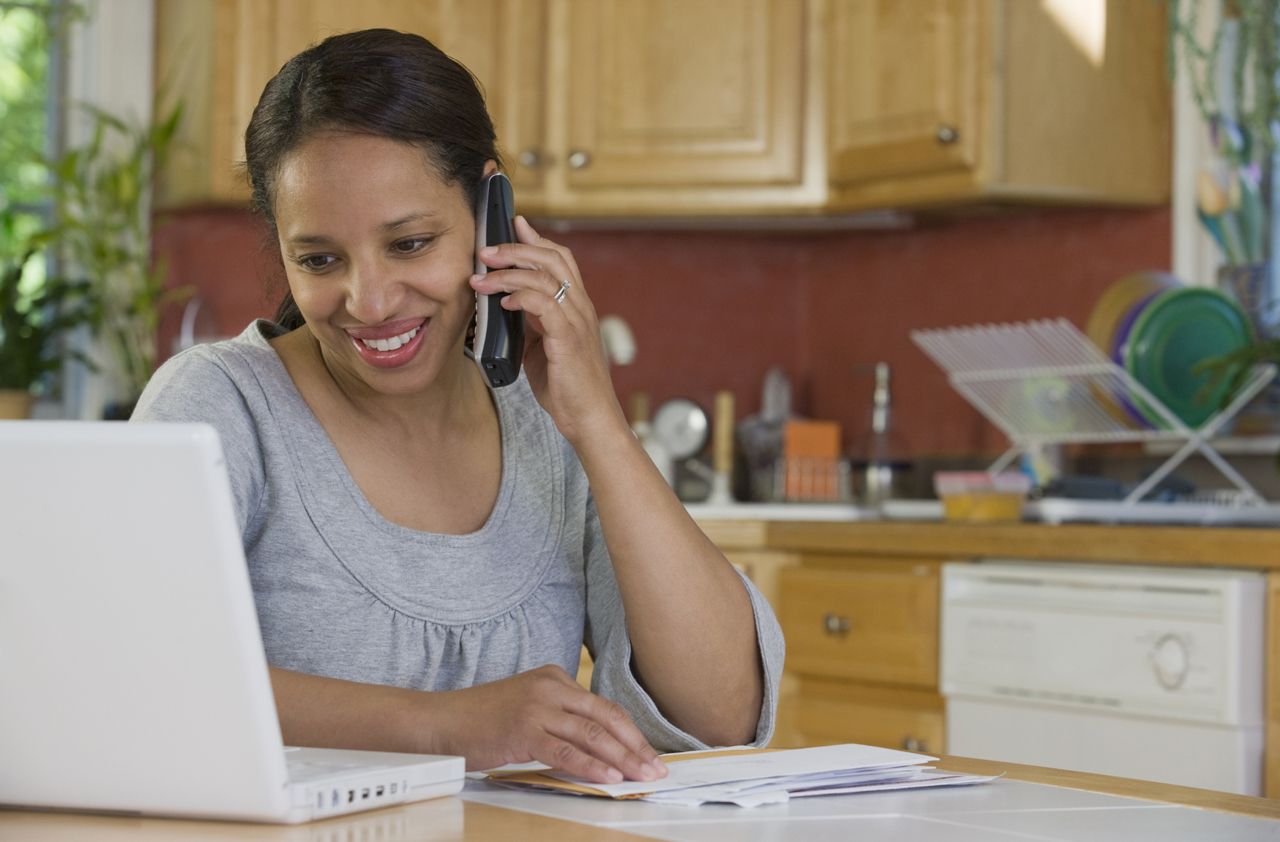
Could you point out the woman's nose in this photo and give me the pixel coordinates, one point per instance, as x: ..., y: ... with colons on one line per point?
x: 373, y: 294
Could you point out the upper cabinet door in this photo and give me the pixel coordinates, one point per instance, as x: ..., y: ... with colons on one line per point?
x: 219, y: 54
x: 683, y: 93
x: 904, y: 86
x: 504, y: 43
x: 255, y: 38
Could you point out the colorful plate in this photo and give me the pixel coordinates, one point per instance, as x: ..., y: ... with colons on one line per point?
x: 1118, y: 351
x: 1114, y: 307
x: 1174, y: 332
x: 1118, y: 299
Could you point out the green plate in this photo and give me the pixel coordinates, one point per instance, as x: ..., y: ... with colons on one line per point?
x: 1176, y: 330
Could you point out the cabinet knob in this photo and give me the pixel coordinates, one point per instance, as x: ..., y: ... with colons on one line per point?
x: 947, y: 135
x: 579, y: 159
x: 912, y: 744
x: 835, y: 625
x: 530, y: 158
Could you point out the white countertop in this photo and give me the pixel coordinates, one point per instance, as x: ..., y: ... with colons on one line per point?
x: 1001, y: 810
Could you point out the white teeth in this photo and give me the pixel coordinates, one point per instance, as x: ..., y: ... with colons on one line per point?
x: 390, y: 344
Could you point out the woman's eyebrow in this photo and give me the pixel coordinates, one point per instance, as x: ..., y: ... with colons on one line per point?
x: 309, y: 240
x: 413, y: 217
x: 324, y: 239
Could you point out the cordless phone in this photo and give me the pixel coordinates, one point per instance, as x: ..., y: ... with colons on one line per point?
x: 499, y: 334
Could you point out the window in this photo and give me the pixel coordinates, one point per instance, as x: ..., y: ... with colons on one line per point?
x: 30, y: 61
x: 30, y: 58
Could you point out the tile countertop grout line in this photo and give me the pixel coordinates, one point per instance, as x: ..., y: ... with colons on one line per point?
x: 1012, y: 834
x: 747, y: 817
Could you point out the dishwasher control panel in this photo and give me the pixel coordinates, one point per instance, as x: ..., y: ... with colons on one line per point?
x: 1181, y: 644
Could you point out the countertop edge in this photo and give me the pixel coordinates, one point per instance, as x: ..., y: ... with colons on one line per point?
x: 1250, y: 548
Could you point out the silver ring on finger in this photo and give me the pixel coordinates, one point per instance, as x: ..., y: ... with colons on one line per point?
x: 562, y: 292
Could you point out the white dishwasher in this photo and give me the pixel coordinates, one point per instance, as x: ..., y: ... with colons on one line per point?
x: 1151, y: 673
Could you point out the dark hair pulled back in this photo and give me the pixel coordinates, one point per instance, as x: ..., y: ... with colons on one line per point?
x: 376, y: 82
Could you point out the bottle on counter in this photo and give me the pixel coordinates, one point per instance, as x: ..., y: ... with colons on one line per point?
x: 880, y: 459
x: 648, y: 440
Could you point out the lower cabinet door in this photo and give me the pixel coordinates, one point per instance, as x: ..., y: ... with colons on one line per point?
x: 829, y: 712
x: 869, y: 621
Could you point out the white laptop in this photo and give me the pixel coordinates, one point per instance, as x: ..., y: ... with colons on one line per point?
x: 132, y: 671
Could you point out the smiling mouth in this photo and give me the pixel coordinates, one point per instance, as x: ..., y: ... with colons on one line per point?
x: 391, y: 343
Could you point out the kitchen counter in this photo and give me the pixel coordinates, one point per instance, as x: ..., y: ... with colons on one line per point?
x: 1188, y: 545
x: 884, y: 569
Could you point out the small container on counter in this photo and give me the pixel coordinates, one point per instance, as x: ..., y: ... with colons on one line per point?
x: 980, y: 497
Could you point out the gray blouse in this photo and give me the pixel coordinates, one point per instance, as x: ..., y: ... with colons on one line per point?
x: 345, y: 593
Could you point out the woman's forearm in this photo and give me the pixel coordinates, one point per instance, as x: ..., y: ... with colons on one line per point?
x: 689, y: 617
x: 329, y: 712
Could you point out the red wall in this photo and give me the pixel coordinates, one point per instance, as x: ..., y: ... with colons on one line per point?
x: 714, y: 310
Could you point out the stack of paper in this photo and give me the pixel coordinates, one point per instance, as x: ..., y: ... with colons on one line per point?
x: 749, y: 777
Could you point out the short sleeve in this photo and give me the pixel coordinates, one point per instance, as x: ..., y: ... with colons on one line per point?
x: 195, y: 386
x: 610, y: 646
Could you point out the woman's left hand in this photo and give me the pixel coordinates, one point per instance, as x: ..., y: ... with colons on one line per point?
x: 564, y: 357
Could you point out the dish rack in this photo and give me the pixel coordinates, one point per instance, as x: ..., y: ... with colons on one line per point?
x: 1044, y: 383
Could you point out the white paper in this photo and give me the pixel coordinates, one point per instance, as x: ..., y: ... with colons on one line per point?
x: 748, y: 767
x: 780, y: 794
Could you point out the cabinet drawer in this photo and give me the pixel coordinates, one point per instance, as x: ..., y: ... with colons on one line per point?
x: 877, y: 621
x: 835, y: 712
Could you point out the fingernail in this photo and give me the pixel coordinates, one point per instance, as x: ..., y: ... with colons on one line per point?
x: 659, y: 768
x: 613, y: 775
x: 488, y: 251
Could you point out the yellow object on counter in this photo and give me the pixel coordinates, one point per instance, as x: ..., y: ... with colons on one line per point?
x: 984, y: 506
x: 979, y: 497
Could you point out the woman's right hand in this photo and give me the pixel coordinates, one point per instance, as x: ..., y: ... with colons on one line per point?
x: 544, y: 715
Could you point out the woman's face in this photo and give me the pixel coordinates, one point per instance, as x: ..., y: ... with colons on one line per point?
x: 378, y: 249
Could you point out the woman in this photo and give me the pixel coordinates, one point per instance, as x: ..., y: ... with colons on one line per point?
x: 427, y: 555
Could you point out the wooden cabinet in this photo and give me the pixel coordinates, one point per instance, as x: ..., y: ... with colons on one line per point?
x: 871, y: 621
x: 601, y: 106
x: 880, y: 715
x: 217, y: 55
x: 905, y: 79
x: 676, y: 105
x: 765, y: 569
x: 936, y: 102
x: 686, y: 108
x: 862, y: 644
x: 862, y: 640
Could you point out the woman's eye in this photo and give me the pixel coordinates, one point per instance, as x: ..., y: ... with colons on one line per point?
x: 412, y: 245
x: 315, y: 262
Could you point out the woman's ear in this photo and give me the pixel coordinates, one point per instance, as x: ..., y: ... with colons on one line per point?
x: 490, y: 167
